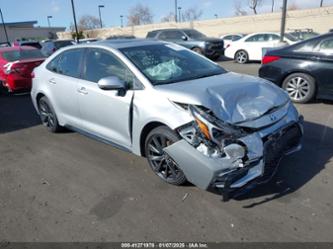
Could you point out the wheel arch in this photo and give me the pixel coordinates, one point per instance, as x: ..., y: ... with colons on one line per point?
x: 241, y: 49
x: 39, y: 96
x: 144, y: 133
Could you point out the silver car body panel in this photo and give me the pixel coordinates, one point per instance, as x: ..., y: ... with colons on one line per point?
x: 240, y: 100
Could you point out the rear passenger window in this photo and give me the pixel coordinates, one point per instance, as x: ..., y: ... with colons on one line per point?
x: 228, y: 37
x: 171, y: 35
x: 326, y: 46
x: 53, y: 65
x: 100, y: 63
x: 67, y: 63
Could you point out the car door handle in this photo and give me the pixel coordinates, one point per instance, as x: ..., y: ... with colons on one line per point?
x: 82, y: 90
x: 52, y: 81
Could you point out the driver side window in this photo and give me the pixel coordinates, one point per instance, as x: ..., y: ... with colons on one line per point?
x: 100, y: 63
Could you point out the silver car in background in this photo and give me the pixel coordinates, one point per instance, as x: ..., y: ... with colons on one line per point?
x: 192, y: 120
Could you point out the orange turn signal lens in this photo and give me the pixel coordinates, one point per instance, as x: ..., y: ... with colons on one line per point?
x: 204, y: 129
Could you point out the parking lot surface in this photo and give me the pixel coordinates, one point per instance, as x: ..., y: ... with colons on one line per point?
x: 66, y: 187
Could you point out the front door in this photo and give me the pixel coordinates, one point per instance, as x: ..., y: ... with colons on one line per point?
x: 105, y: 113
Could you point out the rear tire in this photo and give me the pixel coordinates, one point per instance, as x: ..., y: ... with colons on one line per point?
x: 48, y: 115
x: 300, y: 87
x: 160, y: 162
x: 197, y: 50
x: 241, y: 57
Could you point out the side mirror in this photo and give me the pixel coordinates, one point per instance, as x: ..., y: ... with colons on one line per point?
x: 184, y: 38
x: 111, y: 83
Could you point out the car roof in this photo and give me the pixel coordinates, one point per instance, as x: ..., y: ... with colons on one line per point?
x: 174, y: 29
x: 122, y: 43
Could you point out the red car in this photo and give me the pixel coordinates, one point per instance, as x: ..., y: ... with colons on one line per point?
x: 16, y: 66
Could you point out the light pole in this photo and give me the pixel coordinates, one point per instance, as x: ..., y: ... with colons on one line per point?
x: 176, y: 6
x: 100, y: 15
x: 48, y: 20
x: 4, y: 28
x: 74, y: 17
x: 283, y: 20
x: 121, y: 21
x: 321, y: 3
x: 179, y: 16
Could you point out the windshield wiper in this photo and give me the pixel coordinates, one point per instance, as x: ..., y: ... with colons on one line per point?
x: 205, y: 75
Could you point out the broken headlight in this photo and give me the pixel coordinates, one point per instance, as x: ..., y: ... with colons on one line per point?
x: 212, y: 136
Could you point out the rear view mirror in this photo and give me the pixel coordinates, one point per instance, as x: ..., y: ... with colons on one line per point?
x: 184, y: 38
x: 111, y: 83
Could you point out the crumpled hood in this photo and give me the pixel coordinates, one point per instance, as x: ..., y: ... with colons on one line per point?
x: 233, y: 98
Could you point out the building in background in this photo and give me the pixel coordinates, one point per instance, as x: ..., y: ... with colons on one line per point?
x: 28, y: 30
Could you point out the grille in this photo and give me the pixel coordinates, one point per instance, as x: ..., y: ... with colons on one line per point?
x: 277, y: 146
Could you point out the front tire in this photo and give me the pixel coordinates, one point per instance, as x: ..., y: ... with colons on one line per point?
x: 160, y: 162
x: 300, y: 87
x: 48, y: 115
x: 241, y: 57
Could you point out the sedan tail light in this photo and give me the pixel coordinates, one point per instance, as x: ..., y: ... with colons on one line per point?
x: 269, y: 59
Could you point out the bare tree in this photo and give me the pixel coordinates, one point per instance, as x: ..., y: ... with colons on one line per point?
x: 239, y: 11
x: 139, y: 14
x: 293, y: 6
x: 86, y: 22
x: 191, y: 14
x: 254, y: 4
x: 168, y: 18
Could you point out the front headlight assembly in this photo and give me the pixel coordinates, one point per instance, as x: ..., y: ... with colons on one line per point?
x: 211, y: 136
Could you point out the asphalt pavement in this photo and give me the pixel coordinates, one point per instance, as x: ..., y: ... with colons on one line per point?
x: 67, y: 187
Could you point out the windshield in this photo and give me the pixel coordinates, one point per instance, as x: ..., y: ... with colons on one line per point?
x: 170, y: 63
x: 194, y: 34
x: 22, y: 54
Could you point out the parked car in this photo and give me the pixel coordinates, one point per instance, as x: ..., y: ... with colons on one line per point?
x: 304, y: 70
x: 190, y: 38
x: 88, y: 40
x: 303, y: 34
x: 117, y: 37
x: 50, y: 46
x: 250, y: 47
x: 230, y: 38
x: 16, y: 65
x: 172, y: 106
x: 35, y: 44
x: 4, y: 44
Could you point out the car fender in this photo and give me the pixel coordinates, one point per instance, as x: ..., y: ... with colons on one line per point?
x: 154, y: 109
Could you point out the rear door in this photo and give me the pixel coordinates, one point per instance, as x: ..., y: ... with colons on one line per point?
x: 255, y: 44
x: 324, y: 52
x: 105, y: 113
x: 63, y: 76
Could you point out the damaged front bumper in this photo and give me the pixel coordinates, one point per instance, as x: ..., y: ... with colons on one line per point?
x: 264, y: 151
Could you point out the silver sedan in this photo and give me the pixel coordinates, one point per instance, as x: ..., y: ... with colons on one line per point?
x: 193, y: 120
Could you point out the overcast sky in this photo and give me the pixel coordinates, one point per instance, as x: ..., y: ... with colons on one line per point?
x: 28, y: 10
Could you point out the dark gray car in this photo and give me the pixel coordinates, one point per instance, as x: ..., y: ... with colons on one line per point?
x: 192, y: 39
x: 50, y: 46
